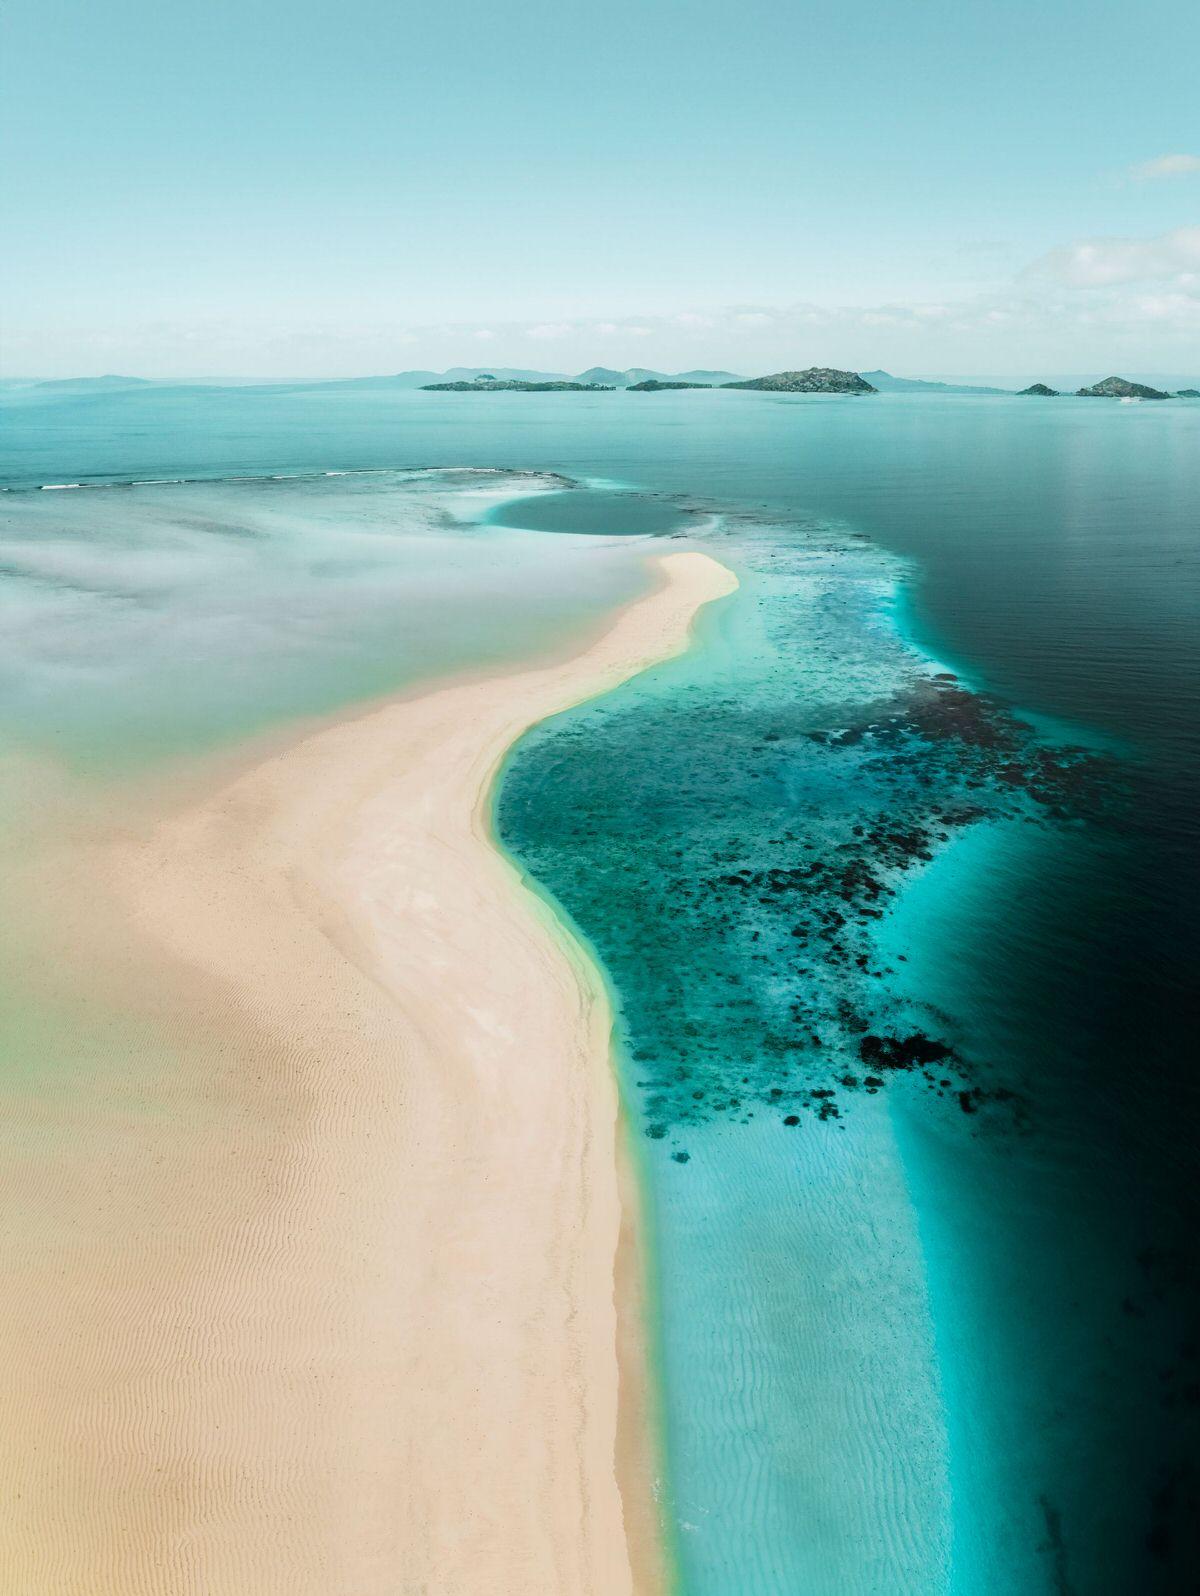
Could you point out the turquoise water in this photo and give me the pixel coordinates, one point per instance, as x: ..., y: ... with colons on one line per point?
x: 738, y: 834
x: 597, y: 512
x: 938, y: 1334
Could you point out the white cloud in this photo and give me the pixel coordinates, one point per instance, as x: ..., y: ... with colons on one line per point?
x: 1177, y: 308
x: 483, y: 333
x: 1104, y: 262
x: 1165, y: 166
x: 550, y: 329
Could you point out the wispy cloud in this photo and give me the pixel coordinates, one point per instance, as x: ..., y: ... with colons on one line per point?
x: 1165, y: 166
x: 1105, y: 262
x: 548, y: 330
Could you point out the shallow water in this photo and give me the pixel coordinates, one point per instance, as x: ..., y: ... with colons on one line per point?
x: 141, y: 622
x: 918, y: 1345
x: 738, y: 834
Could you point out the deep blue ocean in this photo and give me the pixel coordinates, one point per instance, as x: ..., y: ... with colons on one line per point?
x: 895, y: 878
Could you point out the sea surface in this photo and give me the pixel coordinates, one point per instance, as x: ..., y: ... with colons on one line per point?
x: 894, y: 878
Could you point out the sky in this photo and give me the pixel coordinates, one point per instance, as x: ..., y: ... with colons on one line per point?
x: 288, y: 188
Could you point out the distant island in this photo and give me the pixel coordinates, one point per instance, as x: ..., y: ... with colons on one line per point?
x: 1120, y: 388
x: 654, y: 385
x: 487, y: 384
x: 1111, y: 388
x: 599, y: 379
x: 817, y: 379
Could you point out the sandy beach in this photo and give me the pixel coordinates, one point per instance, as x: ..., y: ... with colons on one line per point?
x: 331, y: 1311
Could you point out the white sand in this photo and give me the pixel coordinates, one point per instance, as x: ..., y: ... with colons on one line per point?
x: 337, y: 1317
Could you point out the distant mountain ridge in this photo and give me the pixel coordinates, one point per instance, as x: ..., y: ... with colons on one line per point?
x: 502, y: 374
x: 36, y: 388
x: 598, y: 376
x: 106, y: 384
x: 636, y: 374
x: 886, y: 383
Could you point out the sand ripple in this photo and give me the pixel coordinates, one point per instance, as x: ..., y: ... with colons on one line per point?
x: 326, y: 1307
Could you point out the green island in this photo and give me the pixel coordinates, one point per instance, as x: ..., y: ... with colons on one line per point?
x: 1120, y: 388
x: 654, y: 385
x: 817, y: 379
x: 511, y: 385
x: 1040, y: 391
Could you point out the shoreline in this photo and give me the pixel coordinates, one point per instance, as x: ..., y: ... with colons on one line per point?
x: 351, y: 1320
x: 640, y: 1442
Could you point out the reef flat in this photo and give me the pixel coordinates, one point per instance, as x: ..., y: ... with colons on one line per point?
x: 758, y: 820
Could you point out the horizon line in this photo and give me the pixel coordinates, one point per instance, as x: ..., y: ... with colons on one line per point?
x: 367, y: 376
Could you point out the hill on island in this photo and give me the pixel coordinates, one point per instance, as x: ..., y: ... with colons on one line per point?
x: 1039, y: 390
x: 817, y: 379
x: 1120, y: 388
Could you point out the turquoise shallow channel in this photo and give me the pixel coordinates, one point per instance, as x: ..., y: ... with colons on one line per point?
x: 893, y: 878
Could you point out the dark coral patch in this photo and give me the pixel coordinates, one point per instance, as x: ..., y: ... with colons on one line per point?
x: 733, y: 843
